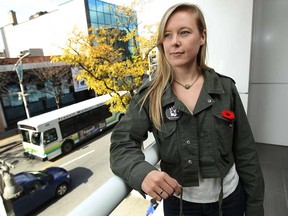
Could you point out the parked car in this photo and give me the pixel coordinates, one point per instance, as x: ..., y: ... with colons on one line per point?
x: 39, y: 187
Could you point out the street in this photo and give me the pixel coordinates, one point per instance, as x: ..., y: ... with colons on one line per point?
x: 88, y: 166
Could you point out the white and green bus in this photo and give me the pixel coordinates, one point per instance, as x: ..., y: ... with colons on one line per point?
x: 51, y: 134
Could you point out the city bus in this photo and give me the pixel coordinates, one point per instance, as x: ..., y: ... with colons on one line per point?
x: 51, y: 134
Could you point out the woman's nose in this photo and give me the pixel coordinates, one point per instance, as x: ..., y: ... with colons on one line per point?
x: 176, y: 42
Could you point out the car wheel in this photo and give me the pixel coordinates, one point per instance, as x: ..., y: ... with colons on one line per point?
x: 67, y: 147
x: 61, y: 190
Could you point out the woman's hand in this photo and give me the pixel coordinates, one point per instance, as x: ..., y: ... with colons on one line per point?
x: 160, y: 185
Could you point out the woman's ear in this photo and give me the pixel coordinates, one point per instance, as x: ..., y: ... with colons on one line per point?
x: 203, y: 37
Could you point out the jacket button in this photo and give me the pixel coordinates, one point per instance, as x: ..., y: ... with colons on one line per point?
x: 209, y: 100
x: 190, y: 162
x: 188, y: 141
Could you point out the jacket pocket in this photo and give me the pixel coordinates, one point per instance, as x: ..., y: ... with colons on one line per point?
x: 168, y: 142
x: 224, y: 136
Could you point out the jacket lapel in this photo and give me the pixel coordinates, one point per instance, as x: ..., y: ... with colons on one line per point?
x: 212, y: 85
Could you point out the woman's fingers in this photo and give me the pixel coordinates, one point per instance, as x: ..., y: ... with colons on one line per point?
x: 160, y: 185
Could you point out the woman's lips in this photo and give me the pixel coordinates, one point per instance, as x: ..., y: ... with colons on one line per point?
x: 176, y: 54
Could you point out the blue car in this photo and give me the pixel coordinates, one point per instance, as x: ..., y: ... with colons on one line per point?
x: 39, y: 187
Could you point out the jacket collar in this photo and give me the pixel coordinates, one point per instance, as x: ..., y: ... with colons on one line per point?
x: 212, y: 85
x: 168, y: 96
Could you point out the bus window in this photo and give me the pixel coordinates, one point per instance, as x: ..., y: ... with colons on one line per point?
x: 104, y: 112
x: 25, y: 136
x: 83, y: 120
x: 99, y: 114
x: 36, y: 138
x: 68, y: 127
x: 50, y: 136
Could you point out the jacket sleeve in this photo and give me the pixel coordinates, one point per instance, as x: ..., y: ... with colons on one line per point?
x: 246, y: 160
x: 126, y: 157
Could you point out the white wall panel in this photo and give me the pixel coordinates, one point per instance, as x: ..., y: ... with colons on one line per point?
x: 270, y: 44
x: 229, y: 26
x: 267, y: 104
x: 268, y: 113
x: 244, y: 99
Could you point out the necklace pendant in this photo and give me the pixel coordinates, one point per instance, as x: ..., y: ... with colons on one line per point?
x: 187, y: 86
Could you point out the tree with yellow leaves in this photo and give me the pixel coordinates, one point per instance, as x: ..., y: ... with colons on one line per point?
x: 110, y: 60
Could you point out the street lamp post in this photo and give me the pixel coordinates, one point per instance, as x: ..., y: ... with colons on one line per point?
x: 18, y: 67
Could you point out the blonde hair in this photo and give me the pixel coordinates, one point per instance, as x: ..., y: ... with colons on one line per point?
x: 164, y: 75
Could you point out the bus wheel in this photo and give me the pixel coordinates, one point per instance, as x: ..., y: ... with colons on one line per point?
x: 67, y: 147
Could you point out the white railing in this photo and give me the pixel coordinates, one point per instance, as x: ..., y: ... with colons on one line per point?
x: 105, y: 199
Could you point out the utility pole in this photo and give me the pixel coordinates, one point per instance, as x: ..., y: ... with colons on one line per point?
x: 18, y: 67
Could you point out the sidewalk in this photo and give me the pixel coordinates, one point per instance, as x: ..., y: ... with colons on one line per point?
x: 8, y: 139
x: 7, y: 133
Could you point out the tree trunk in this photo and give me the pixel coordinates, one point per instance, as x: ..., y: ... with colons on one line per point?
x: 58, y: 101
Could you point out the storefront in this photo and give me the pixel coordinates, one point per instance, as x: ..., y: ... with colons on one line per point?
x: 40, y: 95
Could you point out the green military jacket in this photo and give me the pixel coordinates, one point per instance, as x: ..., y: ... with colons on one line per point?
x: 208, y: 141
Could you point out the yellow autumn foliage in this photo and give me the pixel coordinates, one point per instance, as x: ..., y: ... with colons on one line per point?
x: 103, y: 63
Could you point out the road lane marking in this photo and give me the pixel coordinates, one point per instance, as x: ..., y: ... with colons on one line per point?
x: 77, y: 158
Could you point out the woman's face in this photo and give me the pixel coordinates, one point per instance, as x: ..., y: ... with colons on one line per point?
x: 182, y: 39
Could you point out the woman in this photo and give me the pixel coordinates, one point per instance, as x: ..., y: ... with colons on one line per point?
x: 209, y: 164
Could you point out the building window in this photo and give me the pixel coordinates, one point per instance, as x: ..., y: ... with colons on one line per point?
x: 100, y: 18
x: 92, y: 5
x: 94, y: 25
x: 107, y: 19
x: 102, y: 14
x: 99, y: 6
x: 93, y: 16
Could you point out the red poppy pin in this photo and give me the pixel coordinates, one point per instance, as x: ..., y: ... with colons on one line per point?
x: 228, y: 114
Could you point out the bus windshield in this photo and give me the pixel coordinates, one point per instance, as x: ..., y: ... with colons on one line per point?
x: 25, y: 136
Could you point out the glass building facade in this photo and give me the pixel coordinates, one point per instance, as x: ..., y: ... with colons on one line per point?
x: 107, y: 15
x: 103, y: 14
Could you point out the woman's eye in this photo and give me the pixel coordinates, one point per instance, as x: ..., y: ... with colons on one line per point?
x: 184, y: 33
x: 167, y: 35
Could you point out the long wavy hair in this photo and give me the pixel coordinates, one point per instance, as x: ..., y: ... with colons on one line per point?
x: 163, y: 76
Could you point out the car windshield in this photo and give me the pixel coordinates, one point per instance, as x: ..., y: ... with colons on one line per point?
x: 42, y: 175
